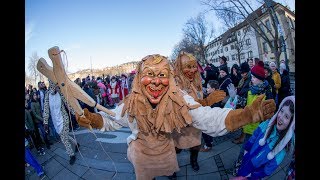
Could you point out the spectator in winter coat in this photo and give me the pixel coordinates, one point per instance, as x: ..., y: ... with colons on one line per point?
x: 32, y: 130
x: 235, y: 74
x: 268, y: 73
x: 224, y: 80
x: 284, y: 90
x: 270, y: 143
x: 277, y: 79
x: 36, y: 112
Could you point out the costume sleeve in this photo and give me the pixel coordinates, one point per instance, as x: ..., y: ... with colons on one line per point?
x: 111, y: 123
x: 208, y: 120
x: 67, y: 104
x: 46, y: 109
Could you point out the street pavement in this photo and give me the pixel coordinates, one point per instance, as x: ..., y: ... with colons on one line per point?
x: 103, y: 155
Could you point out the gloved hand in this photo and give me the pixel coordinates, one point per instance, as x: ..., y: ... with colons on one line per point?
x: 232, y: 90
x: 258, y: 111
x: 214, y: 97
x: 96, y: 120
x: 83, y: 121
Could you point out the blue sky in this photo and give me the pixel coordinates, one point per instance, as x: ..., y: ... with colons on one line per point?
x: 107, y: 32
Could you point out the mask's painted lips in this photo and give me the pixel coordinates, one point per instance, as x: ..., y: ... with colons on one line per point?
x: 156, y: 92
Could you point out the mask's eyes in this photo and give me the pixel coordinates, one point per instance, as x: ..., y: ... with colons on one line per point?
x: 162, y: 75
x: 149, y: 73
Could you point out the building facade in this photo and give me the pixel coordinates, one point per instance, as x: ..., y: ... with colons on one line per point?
x: 242, y: 42
x: 286, y: 28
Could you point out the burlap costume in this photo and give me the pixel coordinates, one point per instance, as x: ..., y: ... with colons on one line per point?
x: 190, y: 136
x: 153, y: 152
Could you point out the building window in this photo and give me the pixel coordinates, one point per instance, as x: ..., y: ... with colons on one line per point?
x: 272, y: 43
x: 250, y: 54
x: 242, y: 56
x: 291, y: 25
x: 265, y: 48
x: 221, y: 50
x: 239, y: 33
x: 263, y: 9
x: 232, y: 46
x: 246, y: 29
x: 234, y: 57
x: 248, y: 42
x: 261, y: 27
x: 268, y: 24
x: 226, y: 49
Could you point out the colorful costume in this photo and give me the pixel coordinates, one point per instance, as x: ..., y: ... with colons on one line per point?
x: 55, y: 105
x: 124, y: 87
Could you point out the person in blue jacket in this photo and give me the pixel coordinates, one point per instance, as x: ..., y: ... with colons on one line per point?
x: 269, y: 143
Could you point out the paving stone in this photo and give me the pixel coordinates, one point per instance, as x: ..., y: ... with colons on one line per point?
x: 52, y: 168
x: 65, y: 174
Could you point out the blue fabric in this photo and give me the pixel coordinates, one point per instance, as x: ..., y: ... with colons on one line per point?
x: 246, y: 139
x: 255, y: 160
x: 260, y: 88
x: 33, y: 162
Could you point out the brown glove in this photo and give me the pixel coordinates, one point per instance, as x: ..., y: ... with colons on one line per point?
x: 95, y: 119
x: 259, y: 110
x: 83, y: 121
x: 214, y: 97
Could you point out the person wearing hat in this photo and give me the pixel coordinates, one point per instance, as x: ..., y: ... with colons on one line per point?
x: 223, y: 61
x: 124, y: 87
x: 224, y: 79
x: 257, y: 87
x: 114, y: 89
x: 270, y: 143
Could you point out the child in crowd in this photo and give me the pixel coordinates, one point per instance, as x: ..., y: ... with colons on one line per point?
x: 269, y: 144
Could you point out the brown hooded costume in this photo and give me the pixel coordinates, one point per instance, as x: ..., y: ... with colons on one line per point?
x: 153, y: 152
x: 191, y: 137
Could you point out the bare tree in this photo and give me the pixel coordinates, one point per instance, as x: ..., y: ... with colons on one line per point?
x: 198, y: 33
x: 32, y: 67
x: 242, y: 10
x: 27, y: 78
x: 184, y: 45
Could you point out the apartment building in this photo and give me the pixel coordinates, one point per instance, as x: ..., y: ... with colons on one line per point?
x: 286, y: 28
x: 242, y: 41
